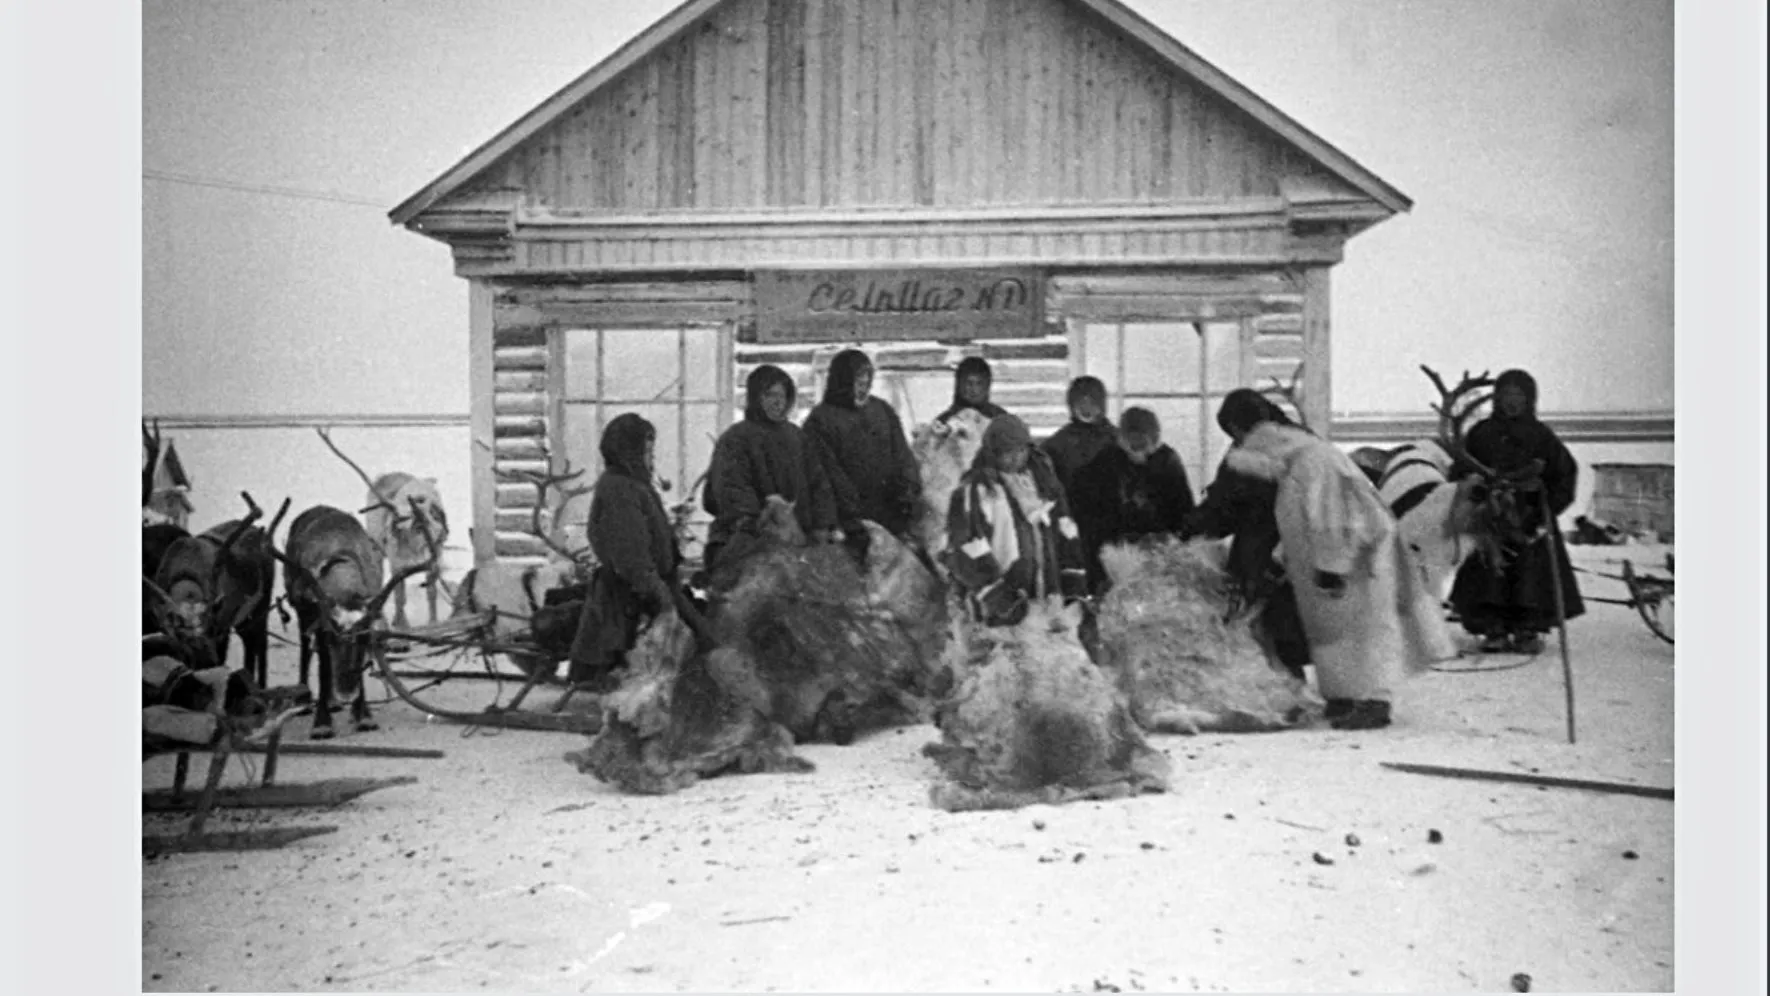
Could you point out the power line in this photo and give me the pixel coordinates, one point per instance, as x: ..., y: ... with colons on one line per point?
x: 261, y: 188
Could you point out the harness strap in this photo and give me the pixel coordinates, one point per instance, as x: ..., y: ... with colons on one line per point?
x: 1405, y: 462
x: 1412, y: 498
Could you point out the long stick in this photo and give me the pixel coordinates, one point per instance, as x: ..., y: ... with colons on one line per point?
x: 1560, y: 604
x: 1479, y: 774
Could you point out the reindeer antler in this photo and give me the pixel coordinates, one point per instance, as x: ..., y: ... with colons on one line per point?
x: 253, y: 514
x: 380, y: 501
x: 1454, y: 409
x: 1289, y: 392
x: 543, y: 483
x: 150, y: 443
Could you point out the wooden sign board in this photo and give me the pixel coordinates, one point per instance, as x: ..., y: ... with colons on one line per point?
x: 868, y: 305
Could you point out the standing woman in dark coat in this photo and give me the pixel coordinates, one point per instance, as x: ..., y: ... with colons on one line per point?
x: 636, y: 553
x: 1088, y: 433
x: 971, y: 384
x: 865, y: 453
x: 1130, y: 491
x: 1513, y: 604
x: 762, y: 455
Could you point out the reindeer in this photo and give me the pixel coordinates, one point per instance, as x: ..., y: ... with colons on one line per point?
x: 1443, y: 519
x: 210, y: 585
x: 397, y: 501
x: 332, y: 573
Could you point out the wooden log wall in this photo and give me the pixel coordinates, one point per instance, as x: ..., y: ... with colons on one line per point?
x: 832, y: 103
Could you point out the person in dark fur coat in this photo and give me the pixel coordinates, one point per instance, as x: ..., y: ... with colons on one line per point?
x: 1011, y: 535
x: 971, y: 385
x: 1245, y: 507
x: 764, y: 454
x: 1089, y: 431
x: 1513, y: 605
x: 873, y: 475
x: 636, y: 553
x: 1130, y: 491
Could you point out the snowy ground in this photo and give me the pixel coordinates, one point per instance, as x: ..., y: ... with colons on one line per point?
x: 1283, y: 863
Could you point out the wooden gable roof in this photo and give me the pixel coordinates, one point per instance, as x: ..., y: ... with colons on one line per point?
x: 735, y: 105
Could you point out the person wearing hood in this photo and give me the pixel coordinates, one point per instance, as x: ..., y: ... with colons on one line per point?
x: 863, y: 448
x: 764, y: 454
x: 1011, y: 537
x: 1512, y: 604
x: 1133, y: 490
x: 1357, y: 592
x: 971, y: 384
x: 1088, y: 433
x: 1244, y: 507
x: 636, y: 553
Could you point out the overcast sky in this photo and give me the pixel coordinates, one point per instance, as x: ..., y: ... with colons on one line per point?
x: 1534, y: 137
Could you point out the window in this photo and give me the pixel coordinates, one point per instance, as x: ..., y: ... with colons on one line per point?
x: 1179, y: 370
x: 678, y: 379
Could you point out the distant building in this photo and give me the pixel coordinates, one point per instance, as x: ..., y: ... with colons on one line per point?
x: 1055, y: 185
x: 170, y: 498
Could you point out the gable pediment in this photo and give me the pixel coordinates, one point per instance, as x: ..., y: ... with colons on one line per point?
x: 941, y: 105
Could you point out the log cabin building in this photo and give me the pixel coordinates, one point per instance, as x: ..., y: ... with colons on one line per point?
x: 1055, y: 185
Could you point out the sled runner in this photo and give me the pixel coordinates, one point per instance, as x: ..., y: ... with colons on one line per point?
x: 1650, y: 595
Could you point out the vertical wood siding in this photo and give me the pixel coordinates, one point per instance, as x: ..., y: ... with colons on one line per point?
x: 832, y: 103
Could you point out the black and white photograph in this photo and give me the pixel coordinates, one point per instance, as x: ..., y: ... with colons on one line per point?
x: 890, y: 495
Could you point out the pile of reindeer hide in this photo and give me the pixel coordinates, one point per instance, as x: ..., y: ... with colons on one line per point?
x: 944, y: 451
x: 1031, y: 720
x: 1182, y: 651
x: 682, y: 715
x: 851, y: 645
x: 809, y: 644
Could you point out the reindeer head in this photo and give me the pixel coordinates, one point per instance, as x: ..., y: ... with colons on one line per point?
x: 196, y: 597
x: 350, y: 627
x: 419, y: 498
x: 776, y: 521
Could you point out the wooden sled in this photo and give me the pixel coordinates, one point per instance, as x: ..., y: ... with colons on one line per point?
x: 268, y: 839
x: 226, y: 740
x: 1651, y: 596
x: 312, y: 795
x: 472, y: 637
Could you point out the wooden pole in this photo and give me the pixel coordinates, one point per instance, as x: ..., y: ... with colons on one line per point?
x: 344, y: 750
x: 1479, y: 774
x: 1549, y: 536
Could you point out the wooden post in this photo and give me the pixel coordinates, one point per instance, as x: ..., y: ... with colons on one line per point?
x: 1549, y: 537
x: 480, y: 296
x: 1318, y: 387
x: 270, y: 756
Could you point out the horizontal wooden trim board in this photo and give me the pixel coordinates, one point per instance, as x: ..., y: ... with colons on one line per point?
x: 1019, y: 214
x: 310, y: 421
x: 1572, y: 427
x: 1348, y: 427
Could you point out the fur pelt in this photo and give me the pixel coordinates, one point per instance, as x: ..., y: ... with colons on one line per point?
x: 1031, y: 720
x: 839, y: 645
x: 944, y: 451
x: 1181, y: 650
x: 682, y: 715
x: 809, y: 645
